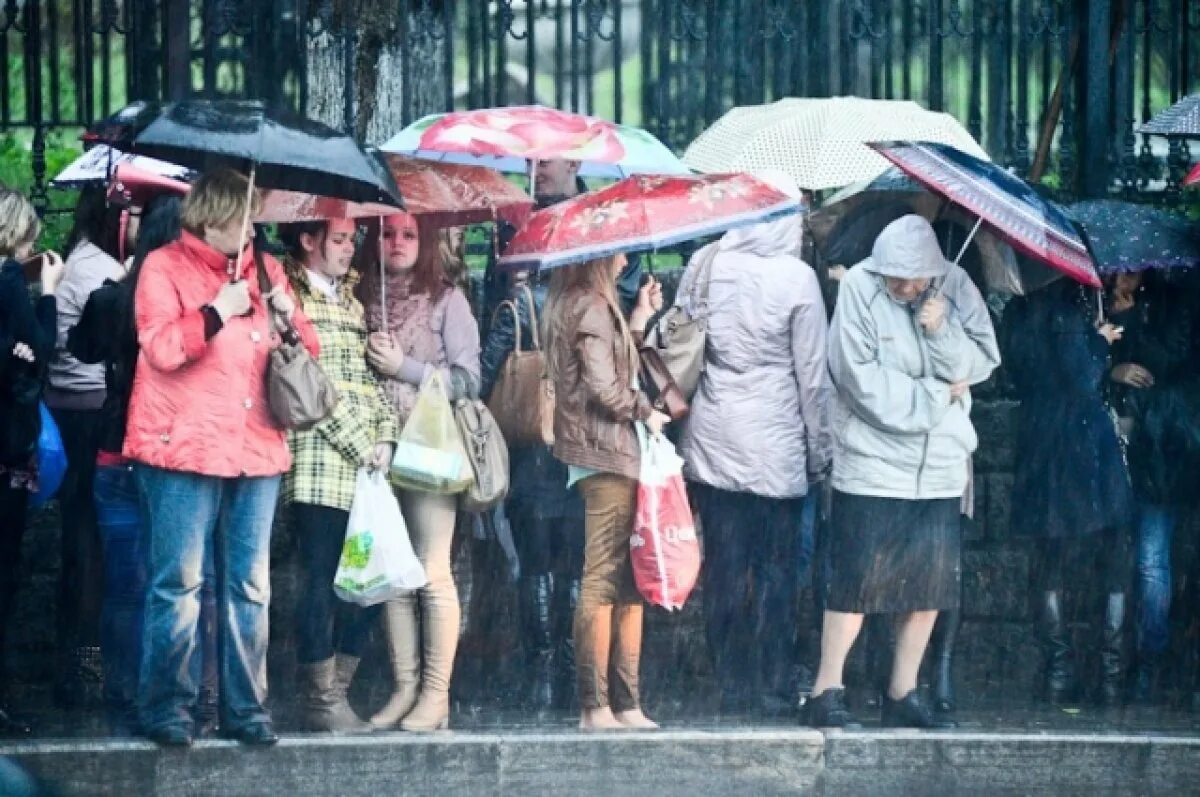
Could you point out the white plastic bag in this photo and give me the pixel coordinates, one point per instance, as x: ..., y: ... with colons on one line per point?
x: 378, y: 562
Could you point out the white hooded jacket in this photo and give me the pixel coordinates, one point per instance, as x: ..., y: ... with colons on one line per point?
x: 897, y: 433
x: 759, y: 421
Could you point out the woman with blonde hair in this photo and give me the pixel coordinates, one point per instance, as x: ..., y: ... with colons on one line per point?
x: 27, y: 332
x: 209, y: 457
x: 420, y: 323
x: 593, y: 360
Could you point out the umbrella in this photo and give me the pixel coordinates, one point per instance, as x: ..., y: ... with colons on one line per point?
x: 99, y: 163
x: 820, y: 142
x: 443, y: 194
x: 119, y: 129
x: 641, y: 213
x: 1193, y: 177
x: 1181, y: 120
x: 281, y: 150
x: 507, y: 139
x: 844, y: 230
x: 1125, y: 236
x: 1035, y: 226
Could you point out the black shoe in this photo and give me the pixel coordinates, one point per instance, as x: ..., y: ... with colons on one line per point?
x: 170, y: 736
x: 911, y: 712
x: 828, y: 710
x: 258, y: 734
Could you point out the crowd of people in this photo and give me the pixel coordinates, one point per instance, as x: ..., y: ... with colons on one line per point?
x: 153, y: 368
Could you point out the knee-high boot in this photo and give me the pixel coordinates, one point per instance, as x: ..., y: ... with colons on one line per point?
x: 537, y: 598
x: 945, y: 635
x: 1060, y: 670
x: 440, y: 620
x: 1112, y: 650
x: 400, y: 630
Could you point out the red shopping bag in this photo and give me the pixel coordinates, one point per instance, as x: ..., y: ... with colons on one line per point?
x: 664, y: 549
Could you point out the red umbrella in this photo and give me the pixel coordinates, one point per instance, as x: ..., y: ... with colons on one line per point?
x: 445, y: 194
x: 1193, y: 177
x: 641, y: 213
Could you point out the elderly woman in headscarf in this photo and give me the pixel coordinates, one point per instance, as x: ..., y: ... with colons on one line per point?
x: 910, y: 335
x: 756, y: 439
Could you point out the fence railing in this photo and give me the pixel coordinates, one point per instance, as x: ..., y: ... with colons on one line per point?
x: 673, y: 66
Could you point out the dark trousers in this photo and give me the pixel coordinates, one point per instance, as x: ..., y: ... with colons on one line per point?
x: 13, y: 505
x: 751, y: 589
x: 325, y: 624
x: 81, y: 580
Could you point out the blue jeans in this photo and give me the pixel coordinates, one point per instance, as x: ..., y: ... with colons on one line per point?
x: 187, y: 516
x: 1156, y: 526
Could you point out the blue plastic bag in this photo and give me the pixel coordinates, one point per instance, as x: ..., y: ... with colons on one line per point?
x: 51, y: 460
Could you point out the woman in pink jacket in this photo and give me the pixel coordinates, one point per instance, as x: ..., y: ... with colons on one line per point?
x: 210, y: 458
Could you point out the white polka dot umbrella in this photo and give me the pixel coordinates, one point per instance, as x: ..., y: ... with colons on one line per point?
x: 820, y: 142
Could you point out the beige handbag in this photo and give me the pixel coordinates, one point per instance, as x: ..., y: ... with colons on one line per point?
x: 486, y: 451
x: 522, y: 399
x: 680, y: 337
x: 299, y: 392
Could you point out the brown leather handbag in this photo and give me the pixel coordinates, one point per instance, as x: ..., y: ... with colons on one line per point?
x: 299, y: 393
x: 659, y: 385
x: 522, y: 399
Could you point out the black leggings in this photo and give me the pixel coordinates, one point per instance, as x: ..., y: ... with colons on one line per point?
x: 13, y: 503
x: 1109, y: 548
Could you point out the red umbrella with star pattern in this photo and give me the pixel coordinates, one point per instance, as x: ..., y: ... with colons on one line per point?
x: 643, y: 213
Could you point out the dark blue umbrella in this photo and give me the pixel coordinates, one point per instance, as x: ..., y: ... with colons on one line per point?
x: 281, y: 149
x: 1006, y: 203
x: 1125, y: 236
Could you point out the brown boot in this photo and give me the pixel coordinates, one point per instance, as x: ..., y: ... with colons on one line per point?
x: 441, y: 617
x: 400, y: 627
x: 325, y: 708
x: 344, y: 670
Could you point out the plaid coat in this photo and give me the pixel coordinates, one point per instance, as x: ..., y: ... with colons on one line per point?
x: 326, y: 457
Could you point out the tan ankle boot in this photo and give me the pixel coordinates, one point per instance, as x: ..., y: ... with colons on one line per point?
x: 400, y: 627
x: 324, y: 706
x: 439, y: 630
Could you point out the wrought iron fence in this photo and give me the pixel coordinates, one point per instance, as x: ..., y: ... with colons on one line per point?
x: 673, y: 66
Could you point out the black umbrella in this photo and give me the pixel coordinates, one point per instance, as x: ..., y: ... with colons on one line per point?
x: 1125, y: 236
x: 119, y: 129
x: 279, y: 149
x: 1181, y: 120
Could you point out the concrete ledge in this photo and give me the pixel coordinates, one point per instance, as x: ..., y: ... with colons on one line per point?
x: 691, y: 763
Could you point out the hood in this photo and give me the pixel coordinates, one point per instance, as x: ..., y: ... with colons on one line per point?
x: 907, y: 249
x: 782, y: 236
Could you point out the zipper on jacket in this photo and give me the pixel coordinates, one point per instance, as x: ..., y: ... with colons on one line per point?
x: 924, y: 446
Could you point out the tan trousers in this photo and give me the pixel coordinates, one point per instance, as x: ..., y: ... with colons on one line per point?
x: 434, y: 607
x: 608, y: 618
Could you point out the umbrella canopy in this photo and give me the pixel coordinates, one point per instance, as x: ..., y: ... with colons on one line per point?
x: 101, y: 162
x: 443, y: 194
x: 1193, y: 177
x: 1181, y: 120
x: 844, y: 230
x: 820, y: 142
x: 642, y: 213
x: 119, y: 129
x: 286, y: 151
x: 1125, y: 236
x: 507, y: 139
x: 1009, y: 205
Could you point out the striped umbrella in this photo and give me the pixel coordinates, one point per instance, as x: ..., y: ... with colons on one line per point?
x: 642, y: 213
x: 1007, y: 204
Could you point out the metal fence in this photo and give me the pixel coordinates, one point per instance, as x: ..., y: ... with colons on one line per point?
x: 671, y: 65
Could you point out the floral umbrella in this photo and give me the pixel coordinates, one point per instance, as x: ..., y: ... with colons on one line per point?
x: 642, y: 213
x: 444, y: 194
x: 507, y: 139
x: 1126, y: 236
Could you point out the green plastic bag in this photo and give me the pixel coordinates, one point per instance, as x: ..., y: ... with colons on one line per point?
x: 429, y: 455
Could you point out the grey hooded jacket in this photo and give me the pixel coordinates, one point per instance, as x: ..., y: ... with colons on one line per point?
x: 759, y: 421
x: 897, y: 433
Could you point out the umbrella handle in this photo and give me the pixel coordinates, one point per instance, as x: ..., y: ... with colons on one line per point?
x: 234, y: 262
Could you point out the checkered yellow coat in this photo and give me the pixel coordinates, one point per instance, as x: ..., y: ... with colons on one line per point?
x: 326, y: 457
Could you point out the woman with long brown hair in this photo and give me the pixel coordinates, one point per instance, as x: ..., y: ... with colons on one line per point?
x: 420, y: 323
x: 593, y: 359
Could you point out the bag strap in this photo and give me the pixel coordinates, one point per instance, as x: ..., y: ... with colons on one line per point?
x: 533, y: 318
x: 512, y: 307
x: 286, y: 330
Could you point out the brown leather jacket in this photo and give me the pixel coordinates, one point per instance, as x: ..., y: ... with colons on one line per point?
x: 596, y: 404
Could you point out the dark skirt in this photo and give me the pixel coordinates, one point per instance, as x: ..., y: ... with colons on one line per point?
x: 891, y: 555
